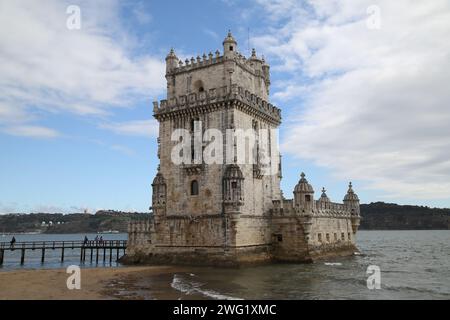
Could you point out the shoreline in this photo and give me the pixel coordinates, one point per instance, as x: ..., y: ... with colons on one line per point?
x: 96, y: 283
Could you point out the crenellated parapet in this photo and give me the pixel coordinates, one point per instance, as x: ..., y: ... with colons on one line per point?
x: 216, y: 97
x: 253, y: 65
x: 137, y: 226
x: 304, y: 204
x: 331, y: 209
x: 139, y: 232
x: 319, y: 209
x: 196, y: 63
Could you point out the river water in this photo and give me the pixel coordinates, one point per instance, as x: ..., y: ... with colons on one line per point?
x: 413, y: 265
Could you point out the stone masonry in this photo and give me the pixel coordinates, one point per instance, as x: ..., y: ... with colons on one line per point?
x: 230, y: 214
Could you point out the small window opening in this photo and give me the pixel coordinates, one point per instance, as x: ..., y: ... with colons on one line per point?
x: 234, y: 185
x: 231, y: 48
x: 279, y: 237
x: 308, y: 198
x: 194, y: 188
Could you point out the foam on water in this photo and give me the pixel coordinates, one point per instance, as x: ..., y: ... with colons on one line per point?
x: 190, y: 287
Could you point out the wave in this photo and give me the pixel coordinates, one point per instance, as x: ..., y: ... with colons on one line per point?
x: 333, y: 264
x: 190, y: 287
x: 415, y: 289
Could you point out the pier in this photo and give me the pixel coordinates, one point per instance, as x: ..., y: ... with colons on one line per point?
x: 101, y: 249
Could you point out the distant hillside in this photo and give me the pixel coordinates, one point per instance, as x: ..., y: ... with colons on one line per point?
x: 390, y: 216
x: 375, y: 216
x: 70, y: 223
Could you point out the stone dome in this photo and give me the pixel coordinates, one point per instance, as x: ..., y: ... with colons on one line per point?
x: 324, y: 197
x: 159, y: 179
x: 229, y: 38
x: 303, y: 186
x: 233, y: 172
x: 171, y: 55
x: 351, y: 195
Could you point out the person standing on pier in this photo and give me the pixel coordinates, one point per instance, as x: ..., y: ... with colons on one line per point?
x: 13, y: 241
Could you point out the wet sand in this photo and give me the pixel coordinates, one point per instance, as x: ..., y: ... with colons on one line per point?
x: 96, y: 284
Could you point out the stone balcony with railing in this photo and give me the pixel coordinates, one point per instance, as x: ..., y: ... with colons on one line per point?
x: 216, y: 95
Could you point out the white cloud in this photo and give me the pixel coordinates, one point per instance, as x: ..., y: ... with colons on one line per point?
x: 145, y: 128
x: 142, y: 16
x: 46, y: 67
x: 123, y: 149
x: 31, y: 131
x: 375, y: 103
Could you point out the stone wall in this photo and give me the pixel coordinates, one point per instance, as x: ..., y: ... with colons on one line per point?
x: 217, y: 71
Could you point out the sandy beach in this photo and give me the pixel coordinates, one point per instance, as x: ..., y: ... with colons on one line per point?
x: 96, y: 283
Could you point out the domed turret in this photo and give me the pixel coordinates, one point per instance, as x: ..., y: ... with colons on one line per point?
x: 159, y: 192
x: 229, y: 46
x: 304, y: 194
x: 351, y: 195
x: 324, y: 197
x: 303, y: 186
x: 171, y: 61
x: 351, y: 201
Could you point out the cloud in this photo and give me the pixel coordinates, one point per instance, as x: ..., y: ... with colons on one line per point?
x: 211, y: 33
x: 123, y: 149
x: 370, y: 104
x: 31, y: 131
x: 142, y: 16
x: 47, y: 68
x: 144, y: 128
x: 11, y: 207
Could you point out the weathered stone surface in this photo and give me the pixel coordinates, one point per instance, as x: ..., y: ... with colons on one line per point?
x: 238, y: 216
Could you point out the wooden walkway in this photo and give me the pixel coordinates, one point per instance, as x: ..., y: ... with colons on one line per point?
x: 99, y: 247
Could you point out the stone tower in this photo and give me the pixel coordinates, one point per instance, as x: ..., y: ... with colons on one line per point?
x: 230, y: 211
x: 215, y: 92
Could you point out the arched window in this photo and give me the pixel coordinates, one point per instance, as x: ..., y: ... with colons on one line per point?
x: 199, y: 86
x: 194, y: 188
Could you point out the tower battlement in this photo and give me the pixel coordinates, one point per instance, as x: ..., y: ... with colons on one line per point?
x: 248, y: 101
x: 210, y: 70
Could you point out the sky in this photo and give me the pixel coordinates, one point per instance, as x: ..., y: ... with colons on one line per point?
x: 363, y: 87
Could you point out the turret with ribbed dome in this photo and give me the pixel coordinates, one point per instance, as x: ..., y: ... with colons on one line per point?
x: 304, y: 194
x: 351, y: 195
x: 324, y: 197
x: 351, y: 201
x: 229, y: 45
x: 159, y: 193
x: 171, y: 61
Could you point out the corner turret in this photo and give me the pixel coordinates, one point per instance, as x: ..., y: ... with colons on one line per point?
x: 171, y: 61
x: 303, y: 195
x: 229, y: 46
x: 351, y: 201
x: 159, y: 194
